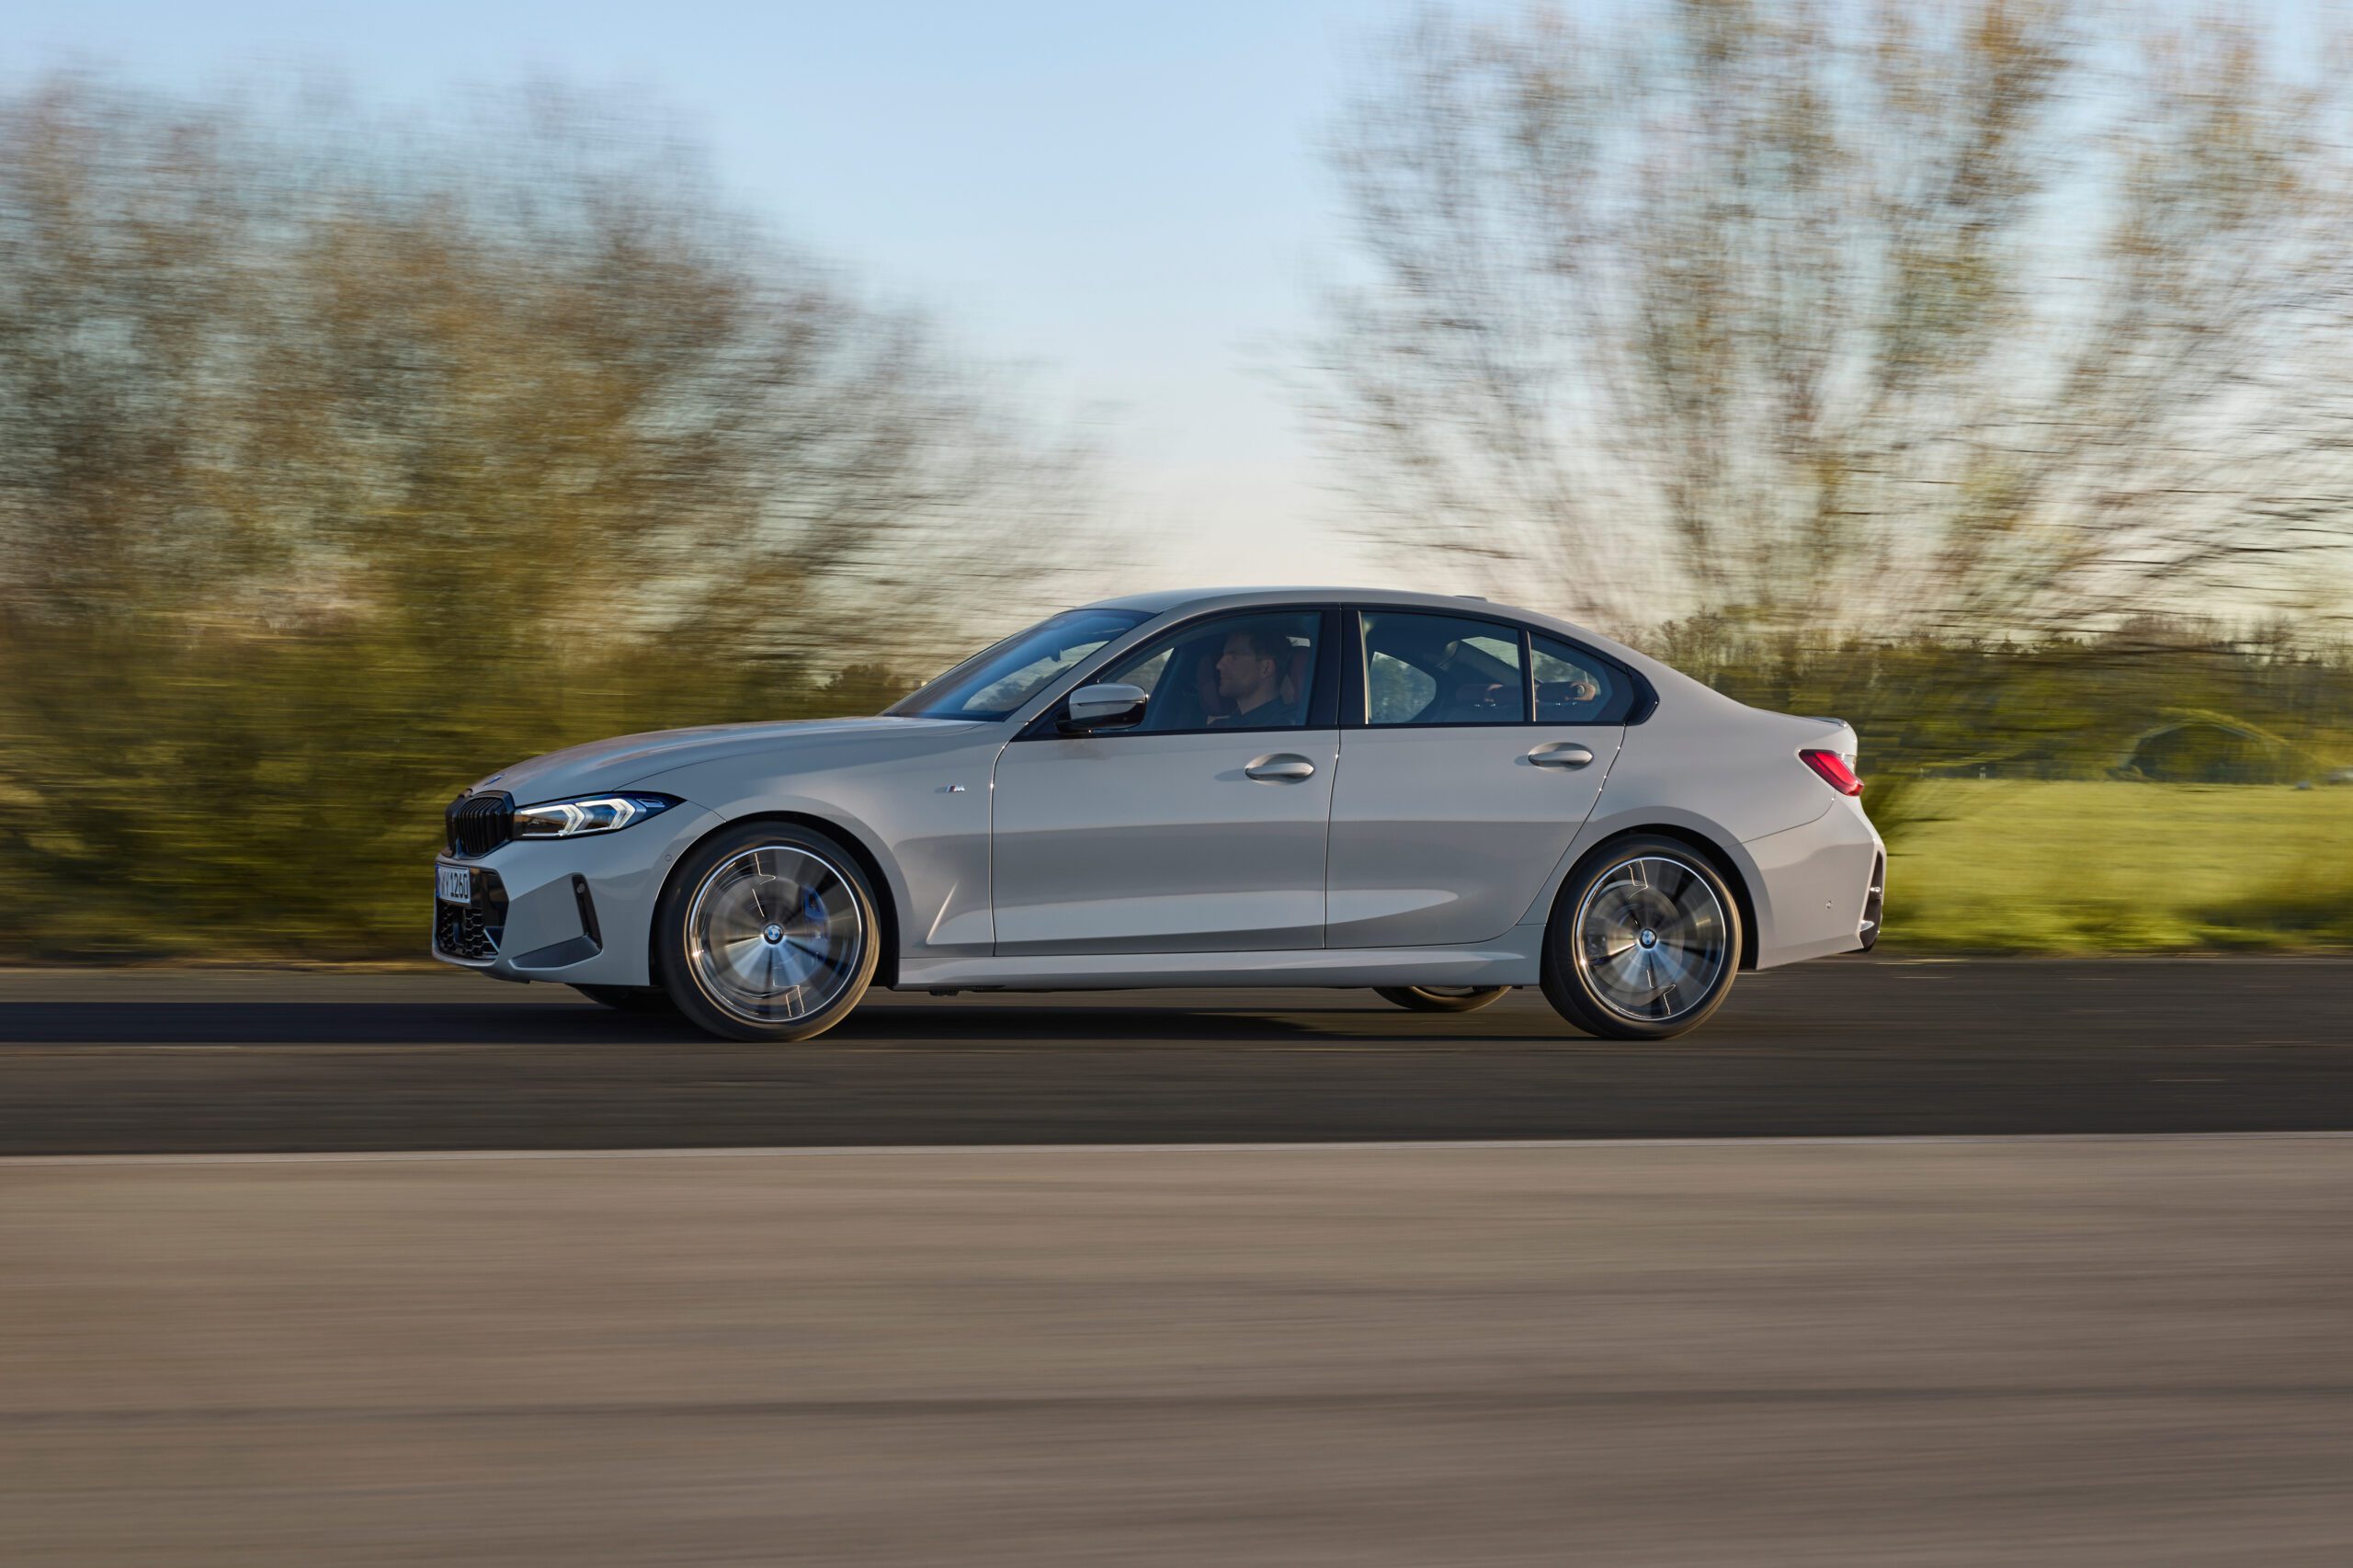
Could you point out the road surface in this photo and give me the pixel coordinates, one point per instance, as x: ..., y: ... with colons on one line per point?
x: 946, y: 1331
x: 2116, y: 1353
x: 146, y: 1060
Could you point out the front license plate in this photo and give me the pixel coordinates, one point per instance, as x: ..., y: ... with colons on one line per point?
x: 455, y: 883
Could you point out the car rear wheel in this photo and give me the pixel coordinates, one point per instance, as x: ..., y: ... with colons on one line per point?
x: 766, y: 932
x: 1441, y: 998
x: 629, y: 998
x: 1644, y: 941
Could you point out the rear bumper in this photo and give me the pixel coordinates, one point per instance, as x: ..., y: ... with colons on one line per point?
x: 1818, y: 889
x: 1875, y: 901
x: 575, y: 911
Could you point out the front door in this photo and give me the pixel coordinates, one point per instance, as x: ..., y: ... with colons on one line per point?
x: 1480, y: 754
x: 1199, y: 828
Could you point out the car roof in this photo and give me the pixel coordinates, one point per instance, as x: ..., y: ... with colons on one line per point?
x: 1162, y: 601
x: 1165, y: 601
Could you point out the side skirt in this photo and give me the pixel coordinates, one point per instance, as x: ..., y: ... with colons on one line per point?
x: 1512, y: 958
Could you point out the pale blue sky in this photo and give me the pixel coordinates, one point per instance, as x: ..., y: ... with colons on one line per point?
x: 1127, y: 200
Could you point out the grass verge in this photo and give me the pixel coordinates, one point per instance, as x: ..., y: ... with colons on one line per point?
x: 2109, y: 867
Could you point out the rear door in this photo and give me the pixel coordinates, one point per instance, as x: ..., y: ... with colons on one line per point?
x: 1199, y: 828
x: 1472, y: 751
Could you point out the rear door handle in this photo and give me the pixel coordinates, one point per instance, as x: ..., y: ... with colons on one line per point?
x: 1281, y: 768
x: 1561, y: 753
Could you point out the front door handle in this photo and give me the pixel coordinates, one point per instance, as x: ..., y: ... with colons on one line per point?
x: 1281, y: 768
x: 1561, y: 753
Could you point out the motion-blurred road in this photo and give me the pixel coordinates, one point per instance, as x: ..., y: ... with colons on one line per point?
x: 144, y: 1062
x: 2128, y: 1349
x: 2119, y: 1353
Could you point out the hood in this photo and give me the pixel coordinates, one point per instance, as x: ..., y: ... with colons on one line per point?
x: 625, y: 760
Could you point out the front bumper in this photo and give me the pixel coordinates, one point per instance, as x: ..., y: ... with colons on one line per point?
x: 576, y: 910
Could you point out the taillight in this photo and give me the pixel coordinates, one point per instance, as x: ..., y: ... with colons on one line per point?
x: 1836, y: 771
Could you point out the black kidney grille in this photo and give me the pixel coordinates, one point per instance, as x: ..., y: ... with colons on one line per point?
x: 479, y: 823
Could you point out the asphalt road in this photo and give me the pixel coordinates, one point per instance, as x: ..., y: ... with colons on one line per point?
x: 1370, y: 1346
x: 2125, y: 1354
x: 157, y: 1060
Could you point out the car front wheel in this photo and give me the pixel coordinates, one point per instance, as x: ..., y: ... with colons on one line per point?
x: 766, y: 932
x: 1441, y: 998
x: 1644, y: 941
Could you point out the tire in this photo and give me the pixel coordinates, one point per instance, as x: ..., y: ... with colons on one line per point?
x: 766, y: 932
x: 1642, y: 887
x: 630, y: 998
x: 1441, y: 998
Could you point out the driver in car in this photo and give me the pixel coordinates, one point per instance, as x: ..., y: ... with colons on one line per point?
x: 1250, y: 676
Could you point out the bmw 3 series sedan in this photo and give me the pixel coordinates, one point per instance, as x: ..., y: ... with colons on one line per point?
x: 1433, y: 796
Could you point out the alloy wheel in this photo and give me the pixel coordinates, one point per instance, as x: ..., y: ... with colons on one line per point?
x: 775, y: 933
x: 1652, y: 940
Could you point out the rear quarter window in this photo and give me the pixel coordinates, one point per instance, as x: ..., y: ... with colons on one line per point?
x: 1574, y: 687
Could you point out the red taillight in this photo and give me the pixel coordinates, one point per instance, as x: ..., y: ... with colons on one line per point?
x: 1834, y: 769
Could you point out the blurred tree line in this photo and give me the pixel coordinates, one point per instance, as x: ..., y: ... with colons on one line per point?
x: 342, y: 463
x: 1977, y: 372
x: 2152, y: 699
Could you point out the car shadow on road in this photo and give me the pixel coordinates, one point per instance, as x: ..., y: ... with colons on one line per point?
x: 426, y: 1025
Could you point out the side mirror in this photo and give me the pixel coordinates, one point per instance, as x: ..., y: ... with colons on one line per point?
x: 1105, y: 706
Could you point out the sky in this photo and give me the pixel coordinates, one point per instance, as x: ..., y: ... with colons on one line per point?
x: 1124, y: 201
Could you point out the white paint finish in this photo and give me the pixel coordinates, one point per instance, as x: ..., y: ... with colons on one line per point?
x: 1445, y: 835
x: 1512, y: 958
x: 624, y: 871
x: 1818, y: 876
x: 639, y: 759
x: 1708, y: 766
x: 1159, y: 844
x: 1147, y: 844
x: 885, y: 786
x: 1733, y: 766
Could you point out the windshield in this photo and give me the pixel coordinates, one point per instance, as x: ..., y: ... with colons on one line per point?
x: 996, y: 682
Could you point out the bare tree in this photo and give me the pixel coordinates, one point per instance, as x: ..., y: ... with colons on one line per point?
x: 1961, y: 320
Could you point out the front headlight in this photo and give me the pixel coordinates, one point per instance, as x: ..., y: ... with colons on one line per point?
x: 590, y: 813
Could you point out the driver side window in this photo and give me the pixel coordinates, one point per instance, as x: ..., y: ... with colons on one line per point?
x: 1253, y: 670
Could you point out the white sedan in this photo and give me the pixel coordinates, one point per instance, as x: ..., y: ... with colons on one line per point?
x: 1433, y: 797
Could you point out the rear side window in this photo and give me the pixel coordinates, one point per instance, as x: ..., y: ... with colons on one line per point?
x: 1574, y: 687
x: 1441, y: 669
